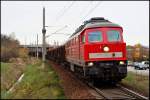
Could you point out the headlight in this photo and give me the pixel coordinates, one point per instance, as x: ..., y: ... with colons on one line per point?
x: 121, y: 62
x: 90, y: 64
x: 106, y: 49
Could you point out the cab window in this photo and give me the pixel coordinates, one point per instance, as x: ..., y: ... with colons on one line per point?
x: 113, y: 35
x: 95, y: 36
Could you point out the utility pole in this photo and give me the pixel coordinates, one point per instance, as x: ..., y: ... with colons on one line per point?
x: 37, y: 48
x: 44, y: 32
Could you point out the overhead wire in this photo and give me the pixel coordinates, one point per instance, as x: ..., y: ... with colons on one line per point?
x: 65, y: 10
x: 83, y: 10
x: 91, y: 10
x: 61, y: 15
x: 60, y: 12
x: 57, y: 31
x: 83, y: 18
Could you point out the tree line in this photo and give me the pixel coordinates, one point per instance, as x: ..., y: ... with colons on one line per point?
x: 10, y: 48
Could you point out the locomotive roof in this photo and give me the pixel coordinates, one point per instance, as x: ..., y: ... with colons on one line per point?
x: 94, y: 22
x: 101, y: 24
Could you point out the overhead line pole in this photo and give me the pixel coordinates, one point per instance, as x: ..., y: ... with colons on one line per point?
x: 44, y: 32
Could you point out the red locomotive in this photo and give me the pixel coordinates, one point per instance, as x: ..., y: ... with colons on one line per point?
x: 95, y: 50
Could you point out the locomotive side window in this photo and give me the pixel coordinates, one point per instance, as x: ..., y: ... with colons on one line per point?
x: 74, y: 40
x: 83, y: 38
x: 95, y: 36
x: 113, y: 35
x: 77, y: 39
x: 70, y: 42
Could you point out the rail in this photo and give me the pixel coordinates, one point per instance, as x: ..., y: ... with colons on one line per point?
x: 117, y: 92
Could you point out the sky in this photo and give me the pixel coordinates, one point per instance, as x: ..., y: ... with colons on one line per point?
x: 24, y: 19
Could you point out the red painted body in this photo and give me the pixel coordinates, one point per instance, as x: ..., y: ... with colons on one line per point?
x: 98, y: 47
x: 78, y: 51
x: 85, y: 54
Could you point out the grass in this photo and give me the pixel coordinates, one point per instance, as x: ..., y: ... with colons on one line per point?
x: 38, y: 83
x: 4, y: 68
x: 9, y: 75
x: 137, y: 82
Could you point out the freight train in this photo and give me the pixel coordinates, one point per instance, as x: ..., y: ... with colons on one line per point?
x: 96, y: 50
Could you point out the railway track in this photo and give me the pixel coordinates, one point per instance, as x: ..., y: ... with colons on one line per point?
x: 116, y: 92
x: 112, y: 91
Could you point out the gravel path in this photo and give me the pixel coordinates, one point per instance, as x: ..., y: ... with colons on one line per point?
x: 73, y: 88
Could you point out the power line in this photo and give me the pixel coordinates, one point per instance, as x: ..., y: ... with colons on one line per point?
x: 66, y: 9
x: 86, y: 7
x: 92, y: 10
x: 83, y: 10
x: 60, y: 16
x: 57, y: 31
x: 62, y: 10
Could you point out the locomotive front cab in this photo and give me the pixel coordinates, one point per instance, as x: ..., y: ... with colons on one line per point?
x: 105, y: 53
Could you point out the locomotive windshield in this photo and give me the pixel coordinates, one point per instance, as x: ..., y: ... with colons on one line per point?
x: 95, y: 36
x: 113, y: 35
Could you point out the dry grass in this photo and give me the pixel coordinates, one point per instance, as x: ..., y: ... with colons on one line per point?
x: 10, y: 72
x: 38, y: 83
x: 137, y: 82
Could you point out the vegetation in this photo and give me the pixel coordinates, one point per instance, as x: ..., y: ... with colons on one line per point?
x: 137, y: 82
x: 10, y: 72
x: 23, y: 53
x: 4, y: 68
x: 9, y: 47
x: 137, y: 52
x: 38, y: 83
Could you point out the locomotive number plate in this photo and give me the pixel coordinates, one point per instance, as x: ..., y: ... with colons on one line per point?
x: 105, y: 55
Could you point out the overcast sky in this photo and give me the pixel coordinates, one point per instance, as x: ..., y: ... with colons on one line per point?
x: 24, y: 18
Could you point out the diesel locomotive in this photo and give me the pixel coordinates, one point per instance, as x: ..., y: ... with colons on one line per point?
x: 96, y: 50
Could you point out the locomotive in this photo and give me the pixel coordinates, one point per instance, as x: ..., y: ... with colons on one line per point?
x: 96, y: 50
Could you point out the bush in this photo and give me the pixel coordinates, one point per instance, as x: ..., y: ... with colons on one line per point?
x: 9, y: 48
x: 23, y: 52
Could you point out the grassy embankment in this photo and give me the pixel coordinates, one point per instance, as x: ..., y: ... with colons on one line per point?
x: 5, y: 85
x: 10, y: 72
x: 38, y: 83
x: 137, y: 82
